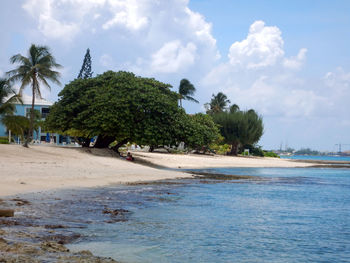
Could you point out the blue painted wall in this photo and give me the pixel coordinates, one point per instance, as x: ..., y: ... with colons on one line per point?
x: 21, y: 110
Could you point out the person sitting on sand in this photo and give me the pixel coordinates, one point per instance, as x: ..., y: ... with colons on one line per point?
x: 129, y: 157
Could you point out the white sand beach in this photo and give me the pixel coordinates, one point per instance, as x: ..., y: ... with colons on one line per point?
x: 194, y: 161
x: 40, y: 168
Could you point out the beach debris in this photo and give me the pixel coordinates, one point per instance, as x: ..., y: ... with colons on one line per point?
x: 7, y: 213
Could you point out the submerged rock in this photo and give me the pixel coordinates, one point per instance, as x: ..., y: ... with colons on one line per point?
x: 115, y: 212
x: 7, y: 212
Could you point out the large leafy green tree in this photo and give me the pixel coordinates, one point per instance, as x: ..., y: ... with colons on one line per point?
x: 218, y: 103
x: 85, y: 71
x: 123, y: 107
x: 197, y: 131
x: 34, y: 70
x: 239, y: 128
x: 186, y: 91
x: 116, y: 106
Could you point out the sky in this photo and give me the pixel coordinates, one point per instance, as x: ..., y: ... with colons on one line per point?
x: 288, y: 60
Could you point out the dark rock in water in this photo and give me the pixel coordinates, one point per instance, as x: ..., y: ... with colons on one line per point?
x: 53, y: 247
x: 7, y: 213
x: 20, y: 202
x: 62, y: 239
x: 54, y: 226
x: 115, y: 212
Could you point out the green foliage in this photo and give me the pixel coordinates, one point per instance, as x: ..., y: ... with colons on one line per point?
x: 38, y: 67
x: 20, y: 125
x: 7, y: 98
x: 218, y: 103
x: 4, y: 140
x: 203, y: 131
x: 234, y: 108
x: 222, y: 149
x: 254, y: 150
x: 306, y: 151
x: 239, y: 128
x: 271, y: 154
x: 186, y: 91
x: 85, y: 71
x: 123, y: 107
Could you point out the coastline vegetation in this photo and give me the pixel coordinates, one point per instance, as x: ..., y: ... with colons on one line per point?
x: 34, y: 70
x: 115, y: 108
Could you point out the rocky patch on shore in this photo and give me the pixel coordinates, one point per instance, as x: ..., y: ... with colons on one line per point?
x: 22, y: 240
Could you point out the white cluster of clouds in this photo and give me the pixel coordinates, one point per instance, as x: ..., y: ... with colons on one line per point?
x: 155, y: 36
x: 166, y: 37
x: 259, y: 75
x: 262, y: 47
x: 168, y: 40
x: 173, y: 56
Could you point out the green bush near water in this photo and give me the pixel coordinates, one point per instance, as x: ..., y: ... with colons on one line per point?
x: 271, y: 154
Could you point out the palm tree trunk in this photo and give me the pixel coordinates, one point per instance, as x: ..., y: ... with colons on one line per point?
x: 31, y: 122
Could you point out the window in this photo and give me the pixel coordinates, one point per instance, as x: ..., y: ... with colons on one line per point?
x: 44, y: 112
x: 27, y: 112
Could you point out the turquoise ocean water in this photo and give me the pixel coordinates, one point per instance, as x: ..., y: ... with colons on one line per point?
x: 287, y: 215
x: 318, y: 157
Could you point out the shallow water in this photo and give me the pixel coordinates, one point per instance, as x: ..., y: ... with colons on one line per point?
x: 292, y: 215
x: 317, y: 157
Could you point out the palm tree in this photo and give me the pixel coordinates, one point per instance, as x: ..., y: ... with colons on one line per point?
x: 234, y: 108
x: 7, y: 98
x: 34, y: 70
x: 218, y: 103
x: 186, y: 90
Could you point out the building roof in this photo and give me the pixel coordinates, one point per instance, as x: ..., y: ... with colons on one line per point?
x: 27, y: 100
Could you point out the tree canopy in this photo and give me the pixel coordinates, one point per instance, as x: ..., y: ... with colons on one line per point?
x: 186, y: 91
x: 35, y: 69
x: 120, y: 106
x: 240, y: 128
x: 7, y: 98
x: 218, y: 103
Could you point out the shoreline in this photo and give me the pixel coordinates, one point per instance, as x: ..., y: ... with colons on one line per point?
x: 41, y: 168
x: 44, y: 171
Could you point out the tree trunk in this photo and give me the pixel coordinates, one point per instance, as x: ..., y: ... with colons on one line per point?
x: 31, y: 121
x: 234, y: 149
x: 103, y: 141
x: 119, y: 144
x: 86, y: 142
x: 151, y: 148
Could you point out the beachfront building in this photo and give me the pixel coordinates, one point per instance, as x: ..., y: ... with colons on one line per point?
x: 43, y: 106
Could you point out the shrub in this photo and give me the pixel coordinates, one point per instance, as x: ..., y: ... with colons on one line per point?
x: 222, y: 149
x: 271, y: 154
x: 4, y: 140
